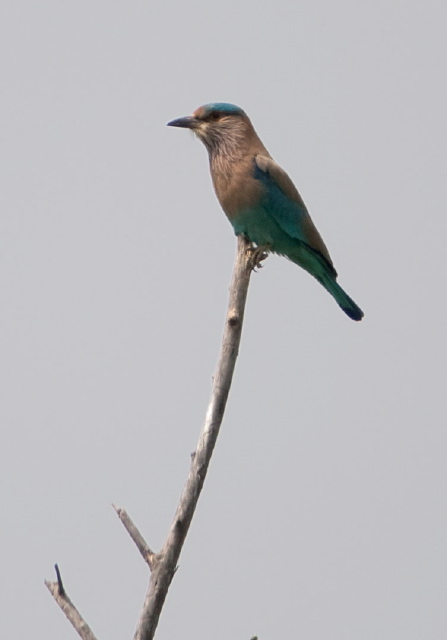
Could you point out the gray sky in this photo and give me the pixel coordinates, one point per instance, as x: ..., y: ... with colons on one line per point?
x: 324, y: 512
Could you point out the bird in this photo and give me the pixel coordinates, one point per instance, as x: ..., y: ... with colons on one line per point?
x: 258, y: 197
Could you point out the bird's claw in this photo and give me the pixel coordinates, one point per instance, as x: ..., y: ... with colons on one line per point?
x: 256, y: 256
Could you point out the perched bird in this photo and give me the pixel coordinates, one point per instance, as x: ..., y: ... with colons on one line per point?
x: 259, y: 198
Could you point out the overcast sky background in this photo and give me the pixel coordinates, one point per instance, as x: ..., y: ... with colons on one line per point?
x: 324, y: 512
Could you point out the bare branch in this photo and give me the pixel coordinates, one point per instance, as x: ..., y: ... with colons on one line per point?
x: 59, y: 594
x: 143, y: 548
x: 165, y: 563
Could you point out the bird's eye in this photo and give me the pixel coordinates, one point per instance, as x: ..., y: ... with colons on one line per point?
x: 215, y: 115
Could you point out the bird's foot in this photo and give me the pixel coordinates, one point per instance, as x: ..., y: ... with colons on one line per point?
x: 256, y: 255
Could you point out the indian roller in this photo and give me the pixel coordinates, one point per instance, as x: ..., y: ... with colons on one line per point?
x: 259, y: 198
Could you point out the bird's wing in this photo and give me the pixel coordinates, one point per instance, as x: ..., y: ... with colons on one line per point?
x: 286, y: 205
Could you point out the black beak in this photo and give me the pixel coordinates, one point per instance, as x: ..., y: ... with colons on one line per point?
x: 188, y: 122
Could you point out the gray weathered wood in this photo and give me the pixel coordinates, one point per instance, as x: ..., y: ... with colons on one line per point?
x: 132, y: 530
x: 59, y: 594
x: 165, y: 563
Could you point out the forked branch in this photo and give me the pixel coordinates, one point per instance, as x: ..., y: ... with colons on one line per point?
x: 164, y: 563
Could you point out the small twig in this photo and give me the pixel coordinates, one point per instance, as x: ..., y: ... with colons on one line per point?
x: 147, y: 553
x: 59, y: 594
x: 166, y: 561
x: 59, y: 581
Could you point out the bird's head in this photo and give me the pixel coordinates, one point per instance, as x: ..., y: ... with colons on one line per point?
x: 222, y: 127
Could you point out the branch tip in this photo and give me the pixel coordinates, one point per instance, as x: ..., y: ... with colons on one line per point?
x: 60, y: 586
x: 148, y: 555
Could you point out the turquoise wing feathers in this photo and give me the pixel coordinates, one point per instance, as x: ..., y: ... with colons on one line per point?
x: 286, y: 206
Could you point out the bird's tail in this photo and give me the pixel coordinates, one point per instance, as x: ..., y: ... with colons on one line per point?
x: 341, y: 297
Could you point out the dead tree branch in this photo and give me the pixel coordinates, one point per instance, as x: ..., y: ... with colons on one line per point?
x: 147, y: 553
x: 163, y: 564
x: 58, y: 592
